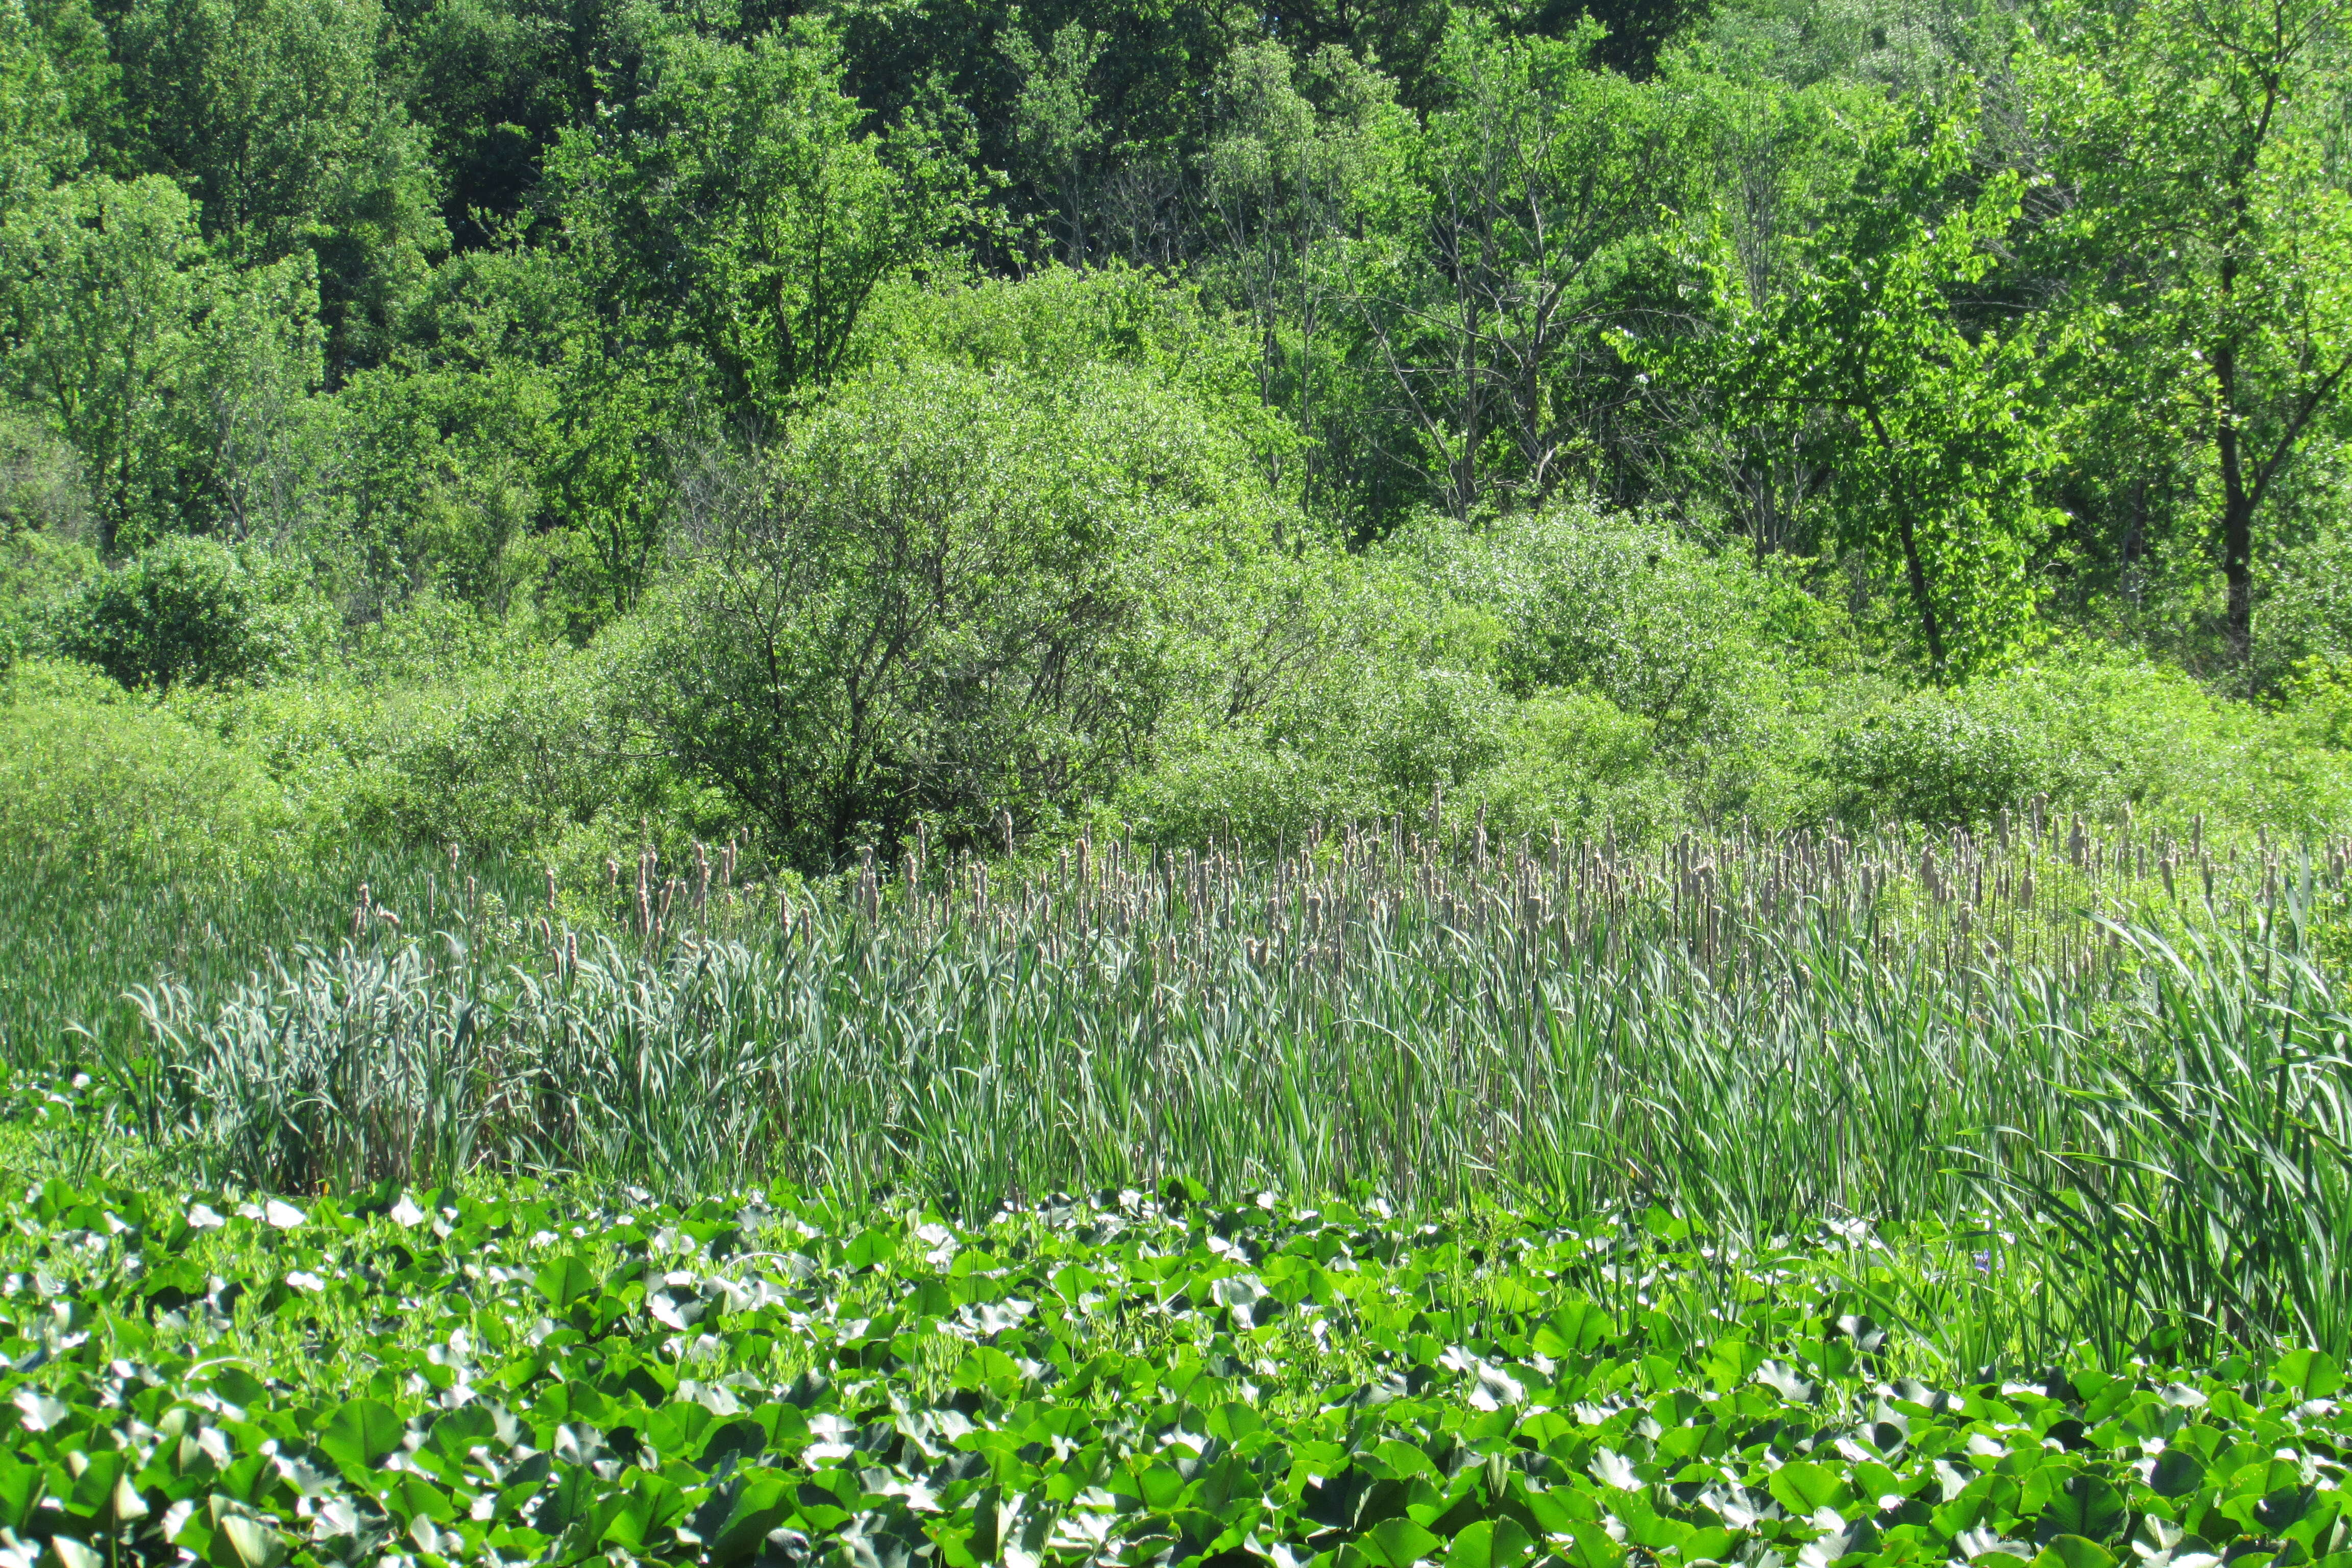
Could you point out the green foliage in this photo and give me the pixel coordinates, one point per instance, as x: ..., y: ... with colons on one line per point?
x: 1938, y: 760
x: 96, y: 785
x: 2304, y: 612
x: 181, y: 384
x: 1561, y: 666
x: 1059, y: 323
x: 1493, y: 273
x: 952, y: 595
x: 736, y: 210
x: 276, y: 116
x: 41, y: 492
x: 518, y: 754
x: 1934, y: 430
x: 2202, y: 139
x: 2091, y: 733
x: 37, y: 570
x: 1625, y: 609
x: 191, y: 611
x: 37, y: 137
x: 1207, y: 1413
x: 97, y: 306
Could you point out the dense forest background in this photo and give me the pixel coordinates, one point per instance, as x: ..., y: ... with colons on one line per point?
x: 555, y: 427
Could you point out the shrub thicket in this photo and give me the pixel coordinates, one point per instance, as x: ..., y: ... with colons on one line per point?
x: 192, y: 610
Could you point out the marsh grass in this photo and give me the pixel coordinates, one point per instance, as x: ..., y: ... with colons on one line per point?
x: 2091, y: 1085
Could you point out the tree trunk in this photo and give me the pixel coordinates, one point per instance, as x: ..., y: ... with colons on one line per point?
x: 1920, y: 596
x: 2237, y: 510
x: 1914, y: 568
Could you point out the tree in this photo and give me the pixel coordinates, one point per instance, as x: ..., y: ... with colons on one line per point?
x: 184, y: 384
x: 493, y: 83
x: 1775, y: 155
x: 952, y: 596
x: 735, y: 212
x: 1489, y: 293
x: 1282, y: 175
x: 1933, y: 427
x: 1055, y: 120
x: 191, y: 611
x: 2211, y: 226
x: 37, y: 140
x: 244, y: 409
x: 98, y: 293
x: 274, y: 116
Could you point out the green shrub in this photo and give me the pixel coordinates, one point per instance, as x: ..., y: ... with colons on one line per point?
x: 1931, y: 758
x: 512, y: 757
x: 41, y: 489
x: 36, y: 572
x: 97, y: 785
x: 1576, y: 760
x: 953, y: 596
x: 2093, y: 731
x: 447, y: 729
x: 192, y: 610
x: 1619, y: 606
x: 1059, y: 321
x: 2304, y: 612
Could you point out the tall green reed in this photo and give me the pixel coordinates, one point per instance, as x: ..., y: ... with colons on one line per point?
x: 2139, y: 1141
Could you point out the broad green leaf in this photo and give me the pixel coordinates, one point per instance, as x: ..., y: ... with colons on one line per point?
x: 1490, y: 1544
x: 1730, y: 1362
x: 94, y: 1491
x: 1403, y: 1461
x: 2281, y: 1510
x: 1396, y: 1544
x: 2074, y: 1552
x: 22, y: 1484
x: 413, y: 1496
x: 238, y: 1386
x: 2087, y: 1507
x: 568, y: 1501
x: 2308, y: 1375
x: 2176, y: 1473
x: 1803, y: 1488
x: 565, y: 1279
x: 871, y: 1245
x: 758, y: 1504
x: 1234, y: 1421
x: 1594, y: 1548
x: 242, y: 1542
x: 361, y: 1432
x: 1576, y: 1329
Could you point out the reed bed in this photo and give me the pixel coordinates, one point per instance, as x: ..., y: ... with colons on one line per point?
x: 2105, y: 1065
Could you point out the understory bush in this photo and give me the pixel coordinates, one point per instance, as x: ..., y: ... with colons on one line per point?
x: 194, y: 611
x: 2091, y: 731
x: 952, y: 598
x: 97, y: 785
